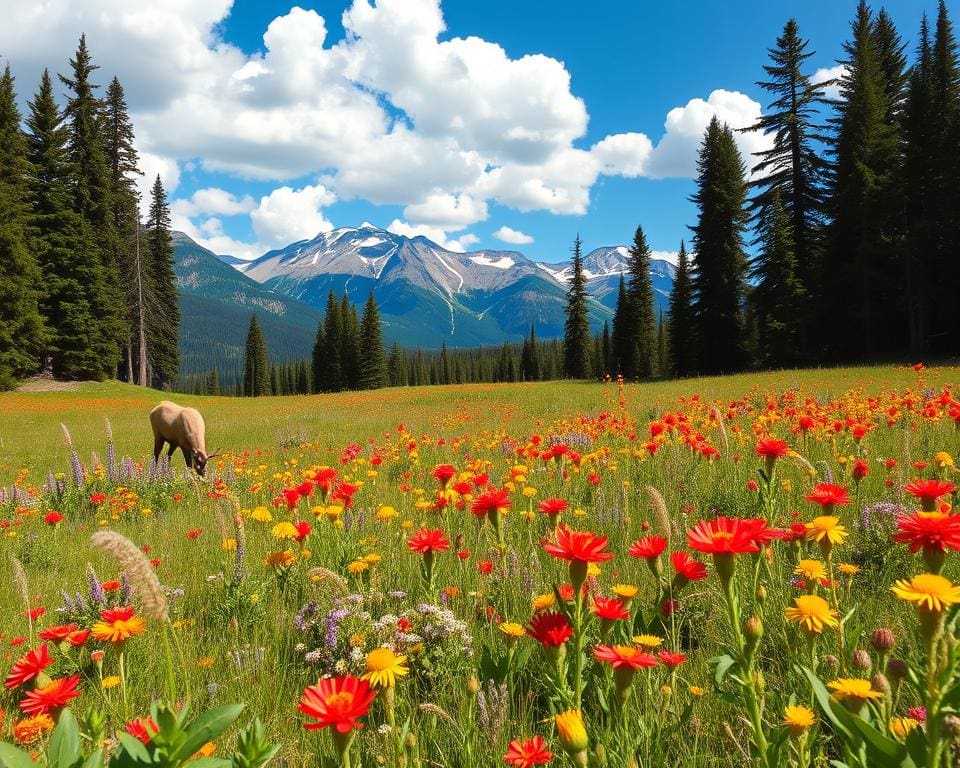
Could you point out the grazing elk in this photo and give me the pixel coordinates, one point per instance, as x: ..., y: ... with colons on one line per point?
x: 182, y: 428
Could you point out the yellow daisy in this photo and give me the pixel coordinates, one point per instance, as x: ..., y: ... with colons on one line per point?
x: 648, y: 641
x: 826, y: 527
x: 812, y: 613
x: 798, y: 719
x: 929, y: 591
x: 384, y: 667
x: 811, y: 569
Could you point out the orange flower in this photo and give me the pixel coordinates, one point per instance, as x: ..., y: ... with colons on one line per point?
x: 337, y: 702
x: 726, y: 535
x: 525, y: 754
x: 427, y: 541
x: 828, y: 496
x: 624, y: 656
x: 117, y: 626
x: 27, y: 668
x: 578, y: 545
x: 52, y: 697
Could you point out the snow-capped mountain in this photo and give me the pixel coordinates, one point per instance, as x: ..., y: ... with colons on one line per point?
x: 427, y: 294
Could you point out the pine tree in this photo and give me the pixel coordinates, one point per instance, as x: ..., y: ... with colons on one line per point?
x: 373, y: 364
x: 318, y: 359
x: 303, y: 378
x: 623, y: 346
x: 793, y: 166
x: 349, y: 344
x: 444, y: 368
x: 333, y: 329
x: 718, y: 280
x: 576, y: 338
x: 662, y: 354
x: 606, y: 347
x: 90, y: 184
x: 680, y: 324
x: 256, y: 370
x: 395, y: 366
x: 164, y: 316
x: 533, y: 370
x: 213, y: 387
x: 22, y: 330
x: 275, y: 388
x: 640, y: 294
x: 777, y: 297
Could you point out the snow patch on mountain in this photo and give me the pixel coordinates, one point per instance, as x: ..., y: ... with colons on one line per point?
x: 504, y: 262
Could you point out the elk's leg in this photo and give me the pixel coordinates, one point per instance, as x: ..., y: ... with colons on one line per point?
x: 157, y: 447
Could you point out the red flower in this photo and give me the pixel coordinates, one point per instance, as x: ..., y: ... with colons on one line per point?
x: 686, y: 567
x: 337, y: 702
x: 303, y: 530
x: 524, y: 754
x: 344, y: 492
x: 550, y: 629
x: 928, y: 491
x: 725, y: 535
x: 491, y: 502
x: 305, y: 489
x: 78, y: 638
x: 427, y: 540
x: 28, y: 667
x: 291, y: 496
x: 485, y: 567
x: 143, y: 729
x: 553, y: 506
x: 931, y: 531
x: 827, y: 495
x: 770, y: 448
x: 194, y: 533
x: 618, y: 656
x: 58, y: 632
x: 443, y: 472
x: 609, y: 608
x: 35, y: 613
x: 110, y: 586
x: 649, y: 547
x: 860, y: 470
x: 98, y: 498
x: 578, y: 545
x: 52, y: 697
x: 53, y: 518
x: 672, y: 658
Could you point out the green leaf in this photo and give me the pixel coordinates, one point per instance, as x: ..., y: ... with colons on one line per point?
x: 11, y: 757
x: 206, y: 728
x: 94, y: 759
x: 917, y: 747
x: 724, y: 663
x: 210, y: 762
x: 64, y: 748
x: 132, y: 752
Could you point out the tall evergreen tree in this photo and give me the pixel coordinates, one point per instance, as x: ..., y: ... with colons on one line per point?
x: 373, y: 363
x: 333, y: 329
x: 606, y: 349
x: 303, y: 378
x: 721, y: 263
x: 164, y: 315
x: 793, y: 166
x: 395, y: 366
x: 576, y: 337
x: 256, y: 369
x: 622, y: 341
x: 444, y: 368
x: 349, y: 344
x: 680, y: 324
x: 777, y: 296
x: 319, y: 358
x: 663, y: 359
x: 90, y: 184
x: 22, y: 330
x: 640, y: 294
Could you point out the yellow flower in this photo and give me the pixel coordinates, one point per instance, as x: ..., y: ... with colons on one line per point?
x: 146, y: 512
x: 205, y: 661
x: 229, y: 545
x: 111, y: 681
x: 812, y: 613
x: 357, y: 639
x: 372, y: 559
x: 542, y: 602
x: 261, y: 515
x: 826, y: 527
x: 117, y: 631
x: 30, y: 729
x: 798, y: 719
x: 943, y: 460
x: 358, y: 567
x: 666, y: 690
x: 901, y: 726
x: 811, y: 569
x: 280, y: 560
x: 854, y: 690
x: 625, y: 591
x: 929, y: 591
x: 512, y: 630
x: 572, y: 732
x: 648, y: 641
x: 697, y: 692
x: 593, y: 569
x: 848, y: 569
x: 333, y: 513
x: 384, y: 667
x: 284, y: 530
x: 206, y: 750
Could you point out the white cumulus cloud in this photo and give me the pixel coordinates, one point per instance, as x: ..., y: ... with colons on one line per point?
x: 436, y: 234
x: 509, y: 235
x: 287, y: 215
x: 826, y: 74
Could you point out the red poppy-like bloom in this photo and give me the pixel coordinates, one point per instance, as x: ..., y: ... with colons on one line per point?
x: 553, y: 506
x: 671, y: 658
x: 443, y: 473
x: 649, y: 547
x: 78, y: 638
x: 928, y: 491
x: 618, y: 656
x: 53, y: 518
x: 686, y: 567
x: 52, y: 697
x: 143, y: 729
x: 343, y: 492
x: 525, y: 754
x: 930, y: 531
x: 428, y: 540
x: 725, y: 535
x: 771, y: 448
x: 609, y: 608
x: 496, y: 500
x: 485, y: 567
x: 337, y: 702
x: 35, y: 613
x: 860, y: 470
x: 303, y: 530
x: 110, y: 586
x: 550, y: 629
x: 28, y: 667
x: 578, y: 545
x: 58, y: 633
x: 290, y: 497
x: 828, y: 495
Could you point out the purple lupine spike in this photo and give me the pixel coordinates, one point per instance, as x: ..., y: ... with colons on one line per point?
x: 97, y: 595
x: 79, y: 476
x: 126, y: 591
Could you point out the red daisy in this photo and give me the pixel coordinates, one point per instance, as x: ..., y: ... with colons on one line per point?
x: 828, y: 495
x: 58, y: 633
x: 337, y: 702
x: 524, y: 754
x: 491, y: 502
x: 143, y: 729
x: 672, y: 658
x: 550, y: 629
x: 52, y: 697
x: 725, y: 535
x: 28, y: 667
x: 931, y: 531
x: 553, y: 506
x: 928, y: 491
x: 578, y: 545
x: 428, y: 540
x: 442, y: 473
x: 609, y: 608
x: 686, y: 567
x: 770, y: 448
x: 618, y: 656
x: 649, y: 547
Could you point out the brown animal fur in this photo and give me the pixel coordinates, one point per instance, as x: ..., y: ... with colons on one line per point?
x: 181, y: 428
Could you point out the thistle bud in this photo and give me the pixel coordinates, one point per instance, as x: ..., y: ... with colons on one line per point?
x: 761, y: 594
x: 897, y: 669
x: 861, y: 660
x: 951, y: 726
x: 880, y: 682
x: 883, y: 640
x: 830, y: 663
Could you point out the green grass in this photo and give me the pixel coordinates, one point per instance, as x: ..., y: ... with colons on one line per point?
x: 273, y: 441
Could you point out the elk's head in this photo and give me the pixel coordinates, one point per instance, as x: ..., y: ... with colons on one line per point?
x: 200, y: 460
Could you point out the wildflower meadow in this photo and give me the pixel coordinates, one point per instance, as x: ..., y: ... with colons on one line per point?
x: 759, y: 570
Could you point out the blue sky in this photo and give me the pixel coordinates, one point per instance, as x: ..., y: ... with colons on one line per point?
x: 244, y: 130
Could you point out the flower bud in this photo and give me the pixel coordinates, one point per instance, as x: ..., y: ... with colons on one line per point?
x: 861, y: 660
x: 572, y: 732
x: 761, y: 594
x: 880, y: 682
x: 897, y: 669
x: 473, y: 685
x: 951, y: 726
x: 883, y: 640
x: 830, y: 663
x: 410, y: 742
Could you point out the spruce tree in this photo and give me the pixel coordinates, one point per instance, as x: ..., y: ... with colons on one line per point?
x: 606, y: 345
x: 303, y: 378
x: 640, y: 294
x: 349, y: 344
x: 533, y: 371
x: 622, y: 341
x: 256, y: 369
x: 333, y: 330
x: 213, y: 388
x: 164, y: 316
x: 777, y: 297
x: 373, y: 364
x: 720, y: 261
x: 318, y: 360
x: 680, y: 323
x: 23, y: 333
x: 395, y: 365
x: 662, y: 354
x: 576, y: 337
x: 444, y: 367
